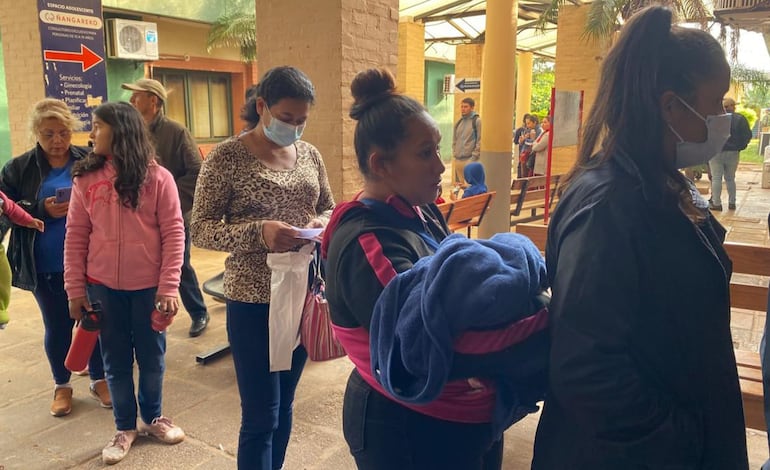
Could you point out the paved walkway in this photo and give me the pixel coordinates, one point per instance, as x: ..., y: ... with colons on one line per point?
x: 204, y: 399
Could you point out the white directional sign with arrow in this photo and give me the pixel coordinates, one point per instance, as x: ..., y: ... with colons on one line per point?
x: 469, y: 85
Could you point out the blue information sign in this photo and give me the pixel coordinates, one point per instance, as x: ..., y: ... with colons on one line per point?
x: 72, y: 38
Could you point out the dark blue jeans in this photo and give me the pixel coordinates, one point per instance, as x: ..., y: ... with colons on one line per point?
x: 189, y: 289
x: 53, y: 303
x: 266, y: 397
x: 127, y: 332
x: 383, y: 435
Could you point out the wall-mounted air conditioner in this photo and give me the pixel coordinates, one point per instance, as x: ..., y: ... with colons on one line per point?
x: 129, y: 39
x: 449, y: 84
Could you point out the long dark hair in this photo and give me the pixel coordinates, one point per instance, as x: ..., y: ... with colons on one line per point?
x: 381, y: 113
x: 276, y: 84
x: 650, y: 57
x: 132, y: 151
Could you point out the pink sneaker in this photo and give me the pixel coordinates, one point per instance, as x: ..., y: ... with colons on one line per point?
x: 162, y: 429
x: 118, y: 447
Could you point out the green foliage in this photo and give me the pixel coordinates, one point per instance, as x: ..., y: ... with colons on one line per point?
x: 755, y: 84
x: 751, y: 153
x: 543, y: 79
x: 236, y: 27
x: 749, y: 114
x: 604, y: 17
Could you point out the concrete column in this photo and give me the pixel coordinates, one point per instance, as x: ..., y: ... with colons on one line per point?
x: 523, y: 86
x: 411, y: 59
x: 331, y: 41
x: 497, y: 82
x: 578, y: 63
x: 23, y: 68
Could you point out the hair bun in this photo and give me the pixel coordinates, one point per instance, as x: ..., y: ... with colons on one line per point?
x: 370, y: 87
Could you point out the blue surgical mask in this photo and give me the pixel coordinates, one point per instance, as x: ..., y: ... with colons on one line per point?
x: 696, y: 153
x: 282, y: 133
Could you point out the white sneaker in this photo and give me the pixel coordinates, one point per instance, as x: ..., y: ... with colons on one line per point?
x: 162, y: 429
x: 118, y: 447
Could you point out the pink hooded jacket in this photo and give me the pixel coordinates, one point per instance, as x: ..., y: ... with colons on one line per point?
x: 15, y: 213
x: 123, y: 248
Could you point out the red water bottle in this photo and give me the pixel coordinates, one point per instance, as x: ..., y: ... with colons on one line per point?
x: 160, y: 320
x: 84, y: 340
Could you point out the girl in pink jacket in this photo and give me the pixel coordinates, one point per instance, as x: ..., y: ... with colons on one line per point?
x: 124, y: 247
x: 18, y: 216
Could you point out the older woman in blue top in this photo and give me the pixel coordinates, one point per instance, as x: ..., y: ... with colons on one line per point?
x: 37, y: 259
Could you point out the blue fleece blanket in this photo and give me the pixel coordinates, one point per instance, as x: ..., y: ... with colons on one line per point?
x: 465, y: 285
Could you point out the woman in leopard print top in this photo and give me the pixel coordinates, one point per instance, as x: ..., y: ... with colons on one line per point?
x: 252, y: 190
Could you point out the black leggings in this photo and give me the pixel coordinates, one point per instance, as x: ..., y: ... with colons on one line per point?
x: 383, y: 435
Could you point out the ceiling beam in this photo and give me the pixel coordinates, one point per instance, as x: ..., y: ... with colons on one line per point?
x: 442, y: 9
x: 459, y: 28
x: 454, y: 16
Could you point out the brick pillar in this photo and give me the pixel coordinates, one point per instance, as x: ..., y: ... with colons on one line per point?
x: 331, y: 41
x: 468, y: 58
x: 577, y: 68
x: 23, y: 67
x: 411, y: 59
x: 523, y: 86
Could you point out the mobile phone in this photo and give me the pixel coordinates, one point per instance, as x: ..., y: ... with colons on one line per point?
x: 63, y: 195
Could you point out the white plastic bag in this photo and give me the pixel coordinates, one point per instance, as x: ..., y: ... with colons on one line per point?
x: 288, y: 288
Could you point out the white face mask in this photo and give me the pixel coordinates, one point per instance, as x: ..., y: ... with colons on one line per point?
x: 696, y: 153
x: 282, y: 133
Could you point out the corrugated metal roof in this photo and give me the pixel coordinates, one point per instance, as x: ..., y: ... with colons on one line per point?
x: 452, y: 22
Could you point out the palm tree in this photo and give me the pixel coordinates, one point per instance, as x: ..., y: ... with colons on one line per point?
x: 606, y: 16
x: 235, y: 29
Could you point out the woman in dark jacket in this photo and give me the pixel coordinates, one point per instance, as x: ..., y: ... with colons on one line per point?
x: 643, y: 372
x: 37, y: 259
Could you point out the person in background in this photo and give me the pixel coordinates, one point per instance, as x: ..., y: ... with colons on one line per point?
x: 725, y: 163
x: 474, y: 175
x: 32, y: 180
x: 124, y: 248
x: 526, y: 140
x: 177, y: 152
x: 538, y: 158
x: 466, y: 140
x: 642, y: 367
x: 252, y: 191
x: 518, y: 141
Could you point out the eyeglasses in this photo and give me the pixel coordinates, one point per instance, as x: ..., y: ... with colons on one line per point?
x: 50, y: 135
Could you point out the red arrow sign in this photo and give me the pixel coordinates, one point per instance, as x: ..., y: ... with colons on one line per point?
x: 86, y: 58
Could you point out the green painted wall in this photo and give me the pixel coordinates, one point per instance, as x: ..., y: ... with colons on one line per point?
x: 119, y: 72
x: 5, y: 130
x: 439, y: 105
x: 201, y: 10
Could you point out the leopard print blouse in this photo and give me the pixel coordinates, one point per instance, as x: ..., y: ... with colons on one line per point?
x: 236, y: 192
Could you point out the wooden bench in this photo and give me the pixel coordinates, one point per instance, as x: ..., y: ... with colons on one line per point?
x: 528, y: 194
x: 747, y: 259
x: 466, y: 213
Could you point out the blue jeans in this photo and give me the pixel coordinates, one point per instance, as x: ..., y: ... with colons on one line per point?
x: 126, y: 332
x: 266, y: 397
x: 189, y: 289
x: 53, y: 303
x: 723, y: 164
